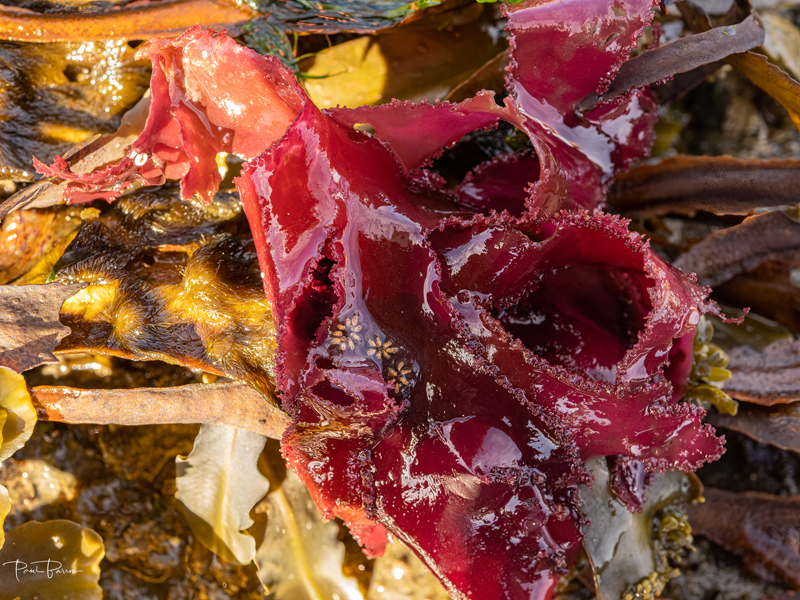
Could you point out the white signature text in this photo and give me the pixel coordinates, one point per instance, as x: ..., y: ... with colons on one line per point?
x: 47, y: 567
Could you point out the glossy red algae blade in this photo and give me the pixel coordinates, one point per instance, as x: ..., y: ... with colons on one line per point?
x: 570, y: 176
x: 381, y: 341
x: 577, y: 153
x: 589, y: 40
x: 385, y: 370
x: 199, y: 108
x: 371, y: 333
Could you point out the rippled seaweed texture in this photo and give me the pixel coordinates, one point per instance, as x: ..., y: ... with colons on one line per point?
x: 301, y: 556
x: 82, y: 21
x: 426, y: 353
x: 17, y: 415
x: 17, y: 418
x: 53, y: 96
x: 170, y: 281
x: 768, y: 377
x: 623, y: 546
x: 219, y: 484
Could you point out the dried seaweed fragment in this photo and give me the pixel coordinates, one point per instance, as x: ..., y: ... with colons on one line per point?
x: 756, y: 67
x: 777, y: 425
x: 761, y: 528
x: 769, y: 289
x: 767, y: 376
x: 782, y: 42
x: 233, y: 404
x: 752, y: 264
x: 29, y: 325
x: 138, y: 21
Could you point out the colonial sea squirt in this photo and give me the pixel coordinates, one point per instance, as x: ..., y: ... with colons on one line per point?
x: 450, y: 359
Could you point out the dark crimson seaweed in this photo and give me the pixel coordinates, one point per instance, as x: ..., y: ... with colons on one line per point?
x: 450, y: 359
x: 413, y: 405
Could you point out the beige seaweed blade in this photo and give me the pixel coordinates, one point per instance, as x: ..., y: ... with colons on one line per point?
x: 218, y: 484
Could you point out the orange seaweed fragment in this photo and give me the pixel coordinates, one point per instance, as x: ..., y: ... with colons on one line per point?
x: 138, y: 21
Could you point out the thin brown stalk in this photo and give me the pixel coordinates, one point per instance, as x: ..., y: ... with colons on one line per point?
x: 232, y: 403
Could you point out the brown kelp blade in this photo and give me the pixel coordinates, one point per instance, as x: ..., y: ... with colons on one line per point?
x: 767, y: 377
x: 777, y: 426
x: 761, y: 528
x: 771, y: 79
x: 681, y: 56
x: 756, y: 67
x: 738, y: 249
x: 722, y: 185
